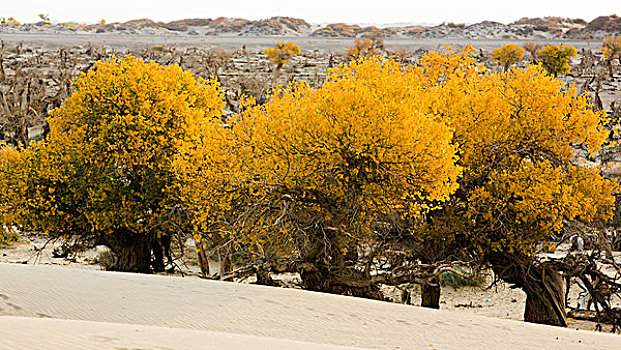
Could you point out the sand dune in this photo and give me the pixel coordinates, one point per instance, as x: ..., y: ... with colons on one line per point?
x: 237, y: 315
x: 54, y: 334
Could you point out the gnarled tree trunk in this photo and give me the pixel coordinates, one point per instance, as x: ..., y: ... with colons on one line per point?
x: 544, y: 288
x: 430, y: 295
x: 132, y: 252
x: 203, y: 261
x: 335, y: 272
x: 345, y: 281
x: 545, y: 298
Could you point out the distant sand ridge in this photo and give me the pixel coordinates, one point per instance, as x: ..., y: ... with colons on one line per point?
x: 525, y: 28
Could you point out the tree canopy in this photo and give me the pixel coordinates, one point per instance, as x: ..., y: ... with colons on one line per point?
x: 105, y: 170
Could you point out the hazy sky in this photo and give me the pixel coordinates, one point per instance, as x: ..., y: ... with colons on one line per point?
x: 314, y: 11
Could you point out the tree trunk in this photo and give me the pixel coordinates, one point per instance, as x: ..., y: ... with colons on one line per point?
x: 203, y: 261
x: 545, y: 298
x: 158, y: 257
x: 344, y: 281
x: 430, y: 295
x: 134, y: 258
x: 226, y: 263
x: 544, y: 288
x: 264, y: 278
x: 132, y: 252
x: 313, y: 278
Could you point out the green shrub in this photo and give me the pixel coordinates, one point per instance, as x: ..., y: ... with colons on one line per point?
x: 455, y: 280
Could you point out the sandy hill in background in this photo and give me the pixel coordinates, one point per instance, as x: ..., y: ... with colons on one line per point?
x: 525, y: 28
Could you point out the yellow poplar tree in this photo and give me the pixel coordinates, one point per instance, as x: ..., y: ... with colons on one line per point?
x: 555, y: 58
x: 105, y: 172
x: 316, y: 172
x: 611, y: 50
x: 280, y: 54
x: 516, y: 132
x: 508, y: 55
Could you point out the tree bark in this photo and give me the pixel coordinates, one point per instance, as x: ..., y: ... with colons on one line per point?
x: 264, y: 278
x: 545, y: 299
x: 132, y: 252
x: 158, y: 257
x: 203, y: 261
x: 544, y: 288
x: 430, y: 295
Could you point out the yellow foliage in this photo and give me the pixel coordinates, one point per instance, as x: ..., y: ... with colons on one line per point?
x: 11, y: 185
x: 443, y: 145
x: 105, y: 168
x: 323, y: 162
x: 555, y: 59
x: 516, y: 131
x: 508, y: 55
x: 377, y: 142
x: 282, y: 52
x: 612, y: 48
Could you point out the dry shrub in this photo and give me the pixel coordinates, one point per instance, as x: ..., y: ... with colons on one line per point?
x: 363, y: 48
x: 214, y: 60
x: 532, y: 47
x: 403, y: 53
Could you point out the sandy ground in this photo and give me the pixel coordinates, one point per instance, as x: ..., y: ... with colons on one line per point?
x: 88, y: 335
x: 500, y: 301
x: 273, y: 314
x: 125, y: 41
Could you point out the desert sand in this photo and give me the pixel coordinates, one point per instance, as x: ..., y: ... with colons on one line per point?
x: 78, y: 308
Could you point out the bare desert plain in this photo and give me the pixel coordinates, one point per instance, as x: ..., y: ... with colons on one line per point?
x: 140, y: 41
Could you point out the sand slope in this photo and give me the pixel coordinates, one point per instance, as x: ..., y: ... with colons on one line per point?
x: 56, y: 334
x: 280, y: 314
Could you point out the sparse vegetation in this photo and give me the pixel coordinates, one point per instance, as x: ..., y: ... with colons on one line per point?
x: 508, y: 55
x: 611, y: 51
x: 280, y: 54
x: 555, y: 59
x: 403, y: 54
x: 533, y: 48
x: 458, y: 280
x: 363, y: 48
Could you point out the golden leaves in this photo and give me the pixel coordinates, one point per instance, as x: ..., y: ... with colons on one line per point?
x: 282, y: 52
x: 612, y: 48
x: 555, y: 59
x: 107, y: 163
x: 508, y: 55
